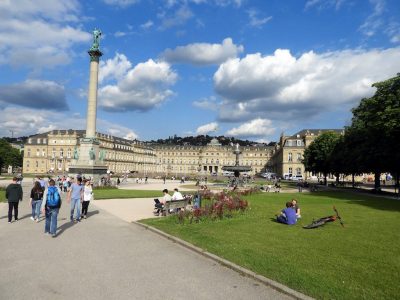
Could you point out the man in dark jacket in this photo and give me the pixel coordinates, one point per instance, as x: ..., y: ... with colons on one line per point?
x: 13, y: 195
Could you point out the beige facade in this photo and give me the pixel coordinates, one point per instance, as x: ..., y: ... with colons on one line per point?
x: 54, y: 151
x: 289, y: 151
x: 209, y: 159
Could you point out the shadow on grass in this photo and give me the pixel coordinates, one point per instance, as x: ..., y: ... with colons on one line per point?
x: 363, y: 199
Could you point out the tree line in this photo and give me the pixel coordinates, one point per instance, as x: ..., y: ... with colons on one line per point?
x: 371, y: 144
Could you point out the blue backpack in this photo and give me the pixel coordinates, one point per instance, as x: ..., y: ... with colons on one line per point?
x: 53, y: 197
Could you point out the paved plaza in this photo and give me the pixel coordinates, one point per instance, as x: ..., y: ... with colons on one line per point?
x: 105, y: 257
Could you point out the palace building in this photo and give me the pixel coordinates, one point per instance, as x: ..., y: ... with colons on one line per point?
x: 54, y: 151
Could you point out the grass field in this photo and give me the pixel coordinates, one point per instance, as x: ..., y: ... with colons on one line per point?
x: 2, y: 194
x: 120, y: 194
x: 360, y: 261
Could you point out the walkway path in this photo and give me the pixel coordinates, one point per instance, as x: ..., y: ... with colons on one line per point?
x: 104, y: 257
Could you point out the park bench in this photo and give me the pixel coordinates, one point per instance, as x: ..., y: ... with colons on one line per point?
x: 174, y: 205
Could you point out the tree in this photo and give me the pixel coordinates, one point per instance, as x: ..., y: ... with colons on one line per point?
x: 318, y: 156
x: 377, y: 120
x: 9, y: 155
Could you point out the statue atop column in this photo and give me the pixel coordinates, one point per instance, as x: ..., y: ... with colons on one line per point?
x: 96, y: 40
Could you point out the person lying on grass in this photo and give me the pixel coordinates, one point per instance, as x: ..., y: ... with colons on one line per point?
x: 288, y: 215
x: 296, y: 208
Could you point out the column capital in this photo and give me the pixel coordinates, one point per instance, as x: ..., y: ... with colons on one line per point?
x: 95, y: 55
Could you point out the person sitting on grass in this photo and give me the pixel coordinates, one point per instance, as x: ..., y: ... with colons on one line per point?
x: 296, y: 208
x: 288, y: 215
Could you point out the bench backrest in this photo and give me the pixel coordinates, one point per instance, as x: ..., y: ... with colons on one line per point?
x: 176, y: 204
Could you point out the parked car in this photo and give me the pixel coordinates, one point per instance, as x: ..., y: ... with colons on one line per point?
x: 297, y: 177
x: 227, y: 173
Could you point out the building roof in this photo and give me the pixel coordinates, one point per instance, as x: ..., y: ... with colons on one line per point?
x: 304, y: 132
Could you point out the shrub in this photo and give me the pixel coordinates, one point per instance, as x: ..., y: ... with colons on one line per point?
x: 218, y: 206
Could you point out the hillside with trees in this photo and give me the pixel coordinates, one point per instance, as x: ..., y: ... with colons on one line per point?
x: 203, y: 140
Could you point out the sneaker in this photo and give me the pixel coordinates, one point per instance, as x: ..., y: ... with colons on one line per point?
x: 84, y: 217
x: 37, y: 220
x: 47, y: 233
x: 9, y: 222
x: 32, y: 218
x: 53, y: 235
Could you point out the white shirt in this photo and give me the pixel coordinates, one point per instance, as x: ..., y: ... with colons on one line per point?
x: 87, y: 193
x: 167, y: 197
x: 177, y: 196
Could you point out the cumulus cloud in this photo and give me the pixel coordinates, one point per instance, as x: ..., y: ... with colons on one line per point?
x: 49, y: 30
x: 147, y: 25
x: 32, y: 121
x: 254, y: 128
x: 117, y: 130
x: 300, y: 86
x: 39, y: 94
x: 203, y: 53
x: 114, y: 68
x: 141, y: 88
x: 207, y: 128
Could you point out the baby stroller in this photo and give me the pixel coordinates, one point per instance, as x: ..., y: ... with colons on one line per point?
x: 158, y: 206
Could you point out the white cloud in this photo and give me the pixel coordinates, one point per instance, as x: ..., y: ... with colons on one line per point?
x: 147, y: 25
x: 207, y: 103
x: 311, y: 84
x: 178, y: 18
x: 39, y: 32
x: 121, y: 3
x: 114, y: 68
x: 324, y: 4
x: 142, y: 88
x: 117, y: 130
x: 203, y: 53
x: 254, y: 128
x: 255, y: 21
x: 31, y: 121
x: 207, y: 128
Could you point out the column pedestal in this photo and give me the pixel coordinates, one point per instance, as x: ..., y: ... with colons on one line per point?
x: 89, y: 164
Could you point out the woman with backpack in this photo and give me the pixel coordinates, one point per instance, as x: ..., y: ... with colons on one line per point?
x: 36, y: 201
x: 50, y: 206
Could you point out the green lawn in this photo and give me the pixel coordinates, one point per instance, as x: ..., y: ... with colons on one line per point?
x: 2, y: 195
x: 119, y: 194
x: 360, y: 261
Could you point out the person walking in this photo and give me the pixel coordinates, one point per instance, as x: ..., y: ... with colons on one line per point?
x: 87, y: 196
x: 50, y: 207
x: 36, y: 201
x: 14, y: 194
x: 75, y: 197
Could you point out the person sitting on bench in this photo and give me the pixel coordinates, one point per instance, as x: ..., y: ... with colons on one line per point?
x: 164, y: 199
x: 288, y: 215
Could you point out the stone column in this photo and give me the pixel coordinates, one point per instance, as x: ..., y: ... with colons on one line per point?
x: 92, y: 94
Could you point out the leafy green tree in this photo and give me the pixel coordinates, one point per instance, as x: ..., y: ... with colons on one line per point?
x: 9, y: 155
x: 318, y: 156
x: 377, y: 120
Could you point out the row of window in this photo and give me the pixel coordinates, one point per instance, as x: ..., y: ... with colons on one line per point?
x: 290, y: 156
x: 298, y: 171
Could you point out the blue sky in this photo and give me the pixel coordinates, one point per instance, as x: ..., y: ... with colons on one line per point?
x: 249, y: 69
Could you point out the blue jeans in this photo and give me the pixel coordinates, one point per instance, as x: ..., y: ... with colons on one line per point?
x: 51, y: 220
x: 36, y: 208
x: 75, y: 204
